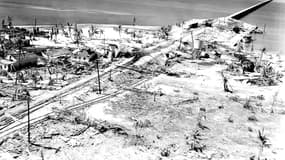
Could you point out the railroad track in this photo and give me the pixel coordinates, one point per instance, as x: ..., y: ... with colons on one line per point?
x: 8, y: 130
x: 39, y: 105
x: 43, y: 103
x: 5, y: 130
x: 116, y: 69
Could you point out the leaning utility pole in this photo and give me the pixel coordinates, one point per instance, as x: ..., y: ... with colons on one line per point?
x: 98, y: 74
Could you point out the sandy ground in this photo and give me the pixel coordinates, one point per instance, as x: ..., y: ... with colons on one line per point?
x: 196, y: 96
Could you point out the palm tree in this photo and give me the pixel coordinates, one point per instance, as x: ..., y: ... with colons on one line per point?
x: 120, y: 29
x: 10, y: 24
x: 264, y: 142
x: 35, y: 79
x: 3, y: 23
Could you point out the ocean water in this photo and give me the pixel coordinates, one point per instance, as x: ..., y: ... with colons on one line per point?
x: 272, y: 17
x: 147, y: 12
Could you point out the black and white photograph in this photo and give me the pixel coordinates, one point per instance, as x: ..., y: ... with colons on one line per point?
x: 142, y: 80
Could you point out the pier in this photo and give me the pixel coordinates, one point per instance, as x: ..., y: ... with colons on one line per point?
x: 245, y: 12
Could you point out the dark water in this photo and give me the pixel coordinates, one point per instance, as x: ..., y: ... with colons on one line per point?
x: 147, y: 12
x: 273, y: 17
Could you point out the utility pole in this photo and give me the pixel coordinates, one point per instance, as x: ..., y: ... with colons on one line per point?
x: 35, y: 29
x: 104, y: 44
x: 252, y: 48
x: 110, y: 75
x: 192, y: 39
x: 180, y: 41
x: 76, y: 34
x: 98, y: 74
x: 16, y: 79
x: 28, y: 102
x: 134, y: 21
x: 181, y: 36
x: 261, y: 55
x: 56, y: 74
x: 120, y: 29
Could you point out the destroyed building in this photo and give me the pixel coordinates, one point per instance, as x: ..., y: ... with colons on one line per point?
x: 4, y: 64
x: 83, y: 56
x: 14, y: 62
